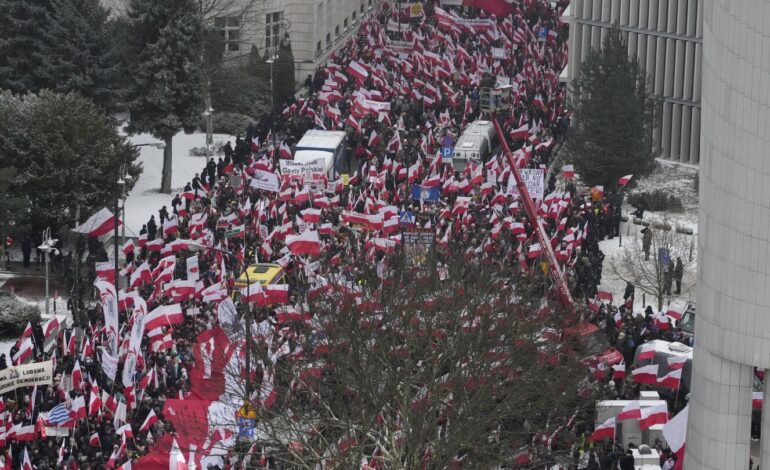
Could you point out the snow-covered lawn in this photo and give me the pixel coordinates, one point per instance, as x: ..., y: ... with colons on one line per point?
x: 145, y: 199
x: 678, y: 180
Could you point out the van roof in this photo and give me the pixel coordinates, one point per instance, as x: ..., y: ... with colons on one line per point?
x: 318, y: 140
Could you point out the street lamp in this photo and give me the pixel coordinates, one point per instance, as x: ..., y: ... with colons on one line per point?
x: 207, y: 114
x: 270, y: 61
x: 47, y: 247
x: 249, y: 320
x: 122, y: 181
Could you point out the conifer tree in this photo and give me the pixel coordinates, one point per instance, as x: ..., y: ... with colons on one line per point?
x: 23, y: 34
x: 613, y: 115
x: 165, y: 55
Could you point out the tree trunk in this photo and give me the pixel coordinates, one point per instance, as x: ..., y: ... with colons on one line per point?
x: 165, y: 182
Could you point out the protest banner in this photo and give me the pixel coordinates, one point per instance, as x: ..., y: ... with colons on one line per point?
x: 266, y: 181
x: 27, y: 375
x: 534, y: 180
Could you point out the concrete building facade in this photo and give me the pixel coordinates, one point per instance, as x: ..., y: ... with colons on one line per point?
x: 733, y: 323
x: 316, y: 28
x: 666, y: 36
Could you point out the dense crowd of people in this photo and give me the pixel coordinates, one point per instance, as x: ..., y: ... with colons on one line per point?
x: 398, y: 93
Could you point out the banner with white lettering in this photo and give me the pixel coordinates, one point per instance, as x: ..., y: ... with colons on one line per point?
x: 137, y: 331
x: 534, y: 180
x: 109, y: 364
x: 110, y: 308
x: 129, y: 368
x: 193, y: 270
x: 266, y: 181
x: 228, y: 316
x: 27, y: 375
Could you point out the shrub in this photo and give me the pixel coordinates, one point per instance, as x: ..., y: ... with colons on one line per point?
x: 656, y: 200
x: 204, y: 152
x: 14, y: 315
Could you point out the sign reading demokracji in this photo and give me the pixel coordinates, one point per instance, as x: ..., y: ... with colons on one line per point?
x: 27, y: 375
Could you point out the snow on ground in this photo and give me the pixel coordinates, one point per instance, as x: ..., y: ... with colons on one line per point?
x: 145, y: 199
x: 678, y: 180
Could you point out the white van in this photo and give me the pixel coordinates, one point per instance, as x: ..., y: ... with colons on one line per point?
x: 319, y: 152
x: 477, y: 143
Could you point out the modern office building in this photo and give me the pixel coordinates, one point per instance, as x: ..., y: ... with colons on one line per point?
x: 733, y: 323
x: 666, y: 36
x: 315, y: 28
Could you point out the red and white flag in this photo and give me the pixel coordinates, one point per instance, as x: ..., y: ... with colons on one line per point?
x: 94, y: 440
x: 619, y: 371
x: 306, y: 243
x: 98, y: 224
x: 624, y: 180
x: 675, y: 314
x: 606, y: 430
x: 630, y: 411
x: 653, y: 415
x: 25, y: 351
x: 676, y: 362
x: 357, y: 70
x: 26, y: 463
x: 176, y: 459
x: 671, y: 380
x: 311, y: 216
x: 568, y: 171
x: 646, y: 374
x: 675, y: 433
x: 151, y: 419
x: 646, y: 352
x: 164, y: 315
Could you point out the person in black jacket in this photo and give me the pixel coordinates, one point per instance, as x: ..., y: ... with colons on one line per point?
x: 152, y: 228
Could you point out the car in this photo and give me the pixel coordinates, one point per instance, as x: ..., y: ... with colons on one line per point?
x: 264, y: 273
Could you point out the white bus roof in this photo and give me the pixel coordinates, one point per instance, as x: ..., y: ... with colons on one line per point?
x: 318, y: 139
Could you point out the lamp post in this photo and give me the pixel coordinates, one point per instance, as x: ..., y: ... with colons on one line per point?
x: 247, y: 313
x: 207, y: 114
x: 271, y: 61
x: 47, y: 247
x: 122, y: 180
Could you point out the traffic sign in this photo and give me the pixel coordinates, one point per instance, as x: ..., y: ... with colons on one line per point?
x: 246, y: 427
x: 406, y: 218
x: 446, y: 154
x: 542, y: 34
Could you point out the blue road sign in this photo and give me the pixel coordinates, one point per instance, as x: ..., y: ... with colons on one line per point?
x: 446, y: 154
x: 406, y: 218
x: 246, y: 427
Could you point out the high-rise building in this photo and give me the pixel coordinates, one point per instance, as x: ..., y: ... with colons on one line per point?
x: 733, y: 322
x: 315, y: 27
x: 666, y: 36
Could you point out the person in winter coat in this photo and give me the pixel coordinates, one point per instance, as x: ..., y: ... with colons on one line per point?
x: 647, y: 242
x: 678, y: 272
x: 668, y: 277
x: 152, y: 228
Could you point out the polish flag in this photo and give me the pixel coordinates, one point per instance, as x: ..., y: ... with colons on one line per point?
x: 252, y: 293
x: 307, y: 243
x: 151, y: 419
x: 26, y: 463
x: 50, y: 326
x: 164, y: 315
x: 105, y: 271
x: 663, y: 322
x: 95, y: 403
x: 302, y: 195
x: 78, y: 410
x: 141, y: 275
x: 675, y: 433
x: 606, y: 430
x: 646, y: 374
x: 128, y: 247
x: 646, y: 351
x: 357, y: 70
x: 176, y: 459
x: 653, y: 415
x: 568, y: 171
x: 605, y: 296
x: 277, y: 294
x: 27, y: 331
x: 624, y: 180
x: 619, y: 371
x: 311, y: 216
x: 94, y: 440
x: 676, y: 362
x: 756, y: 400
x: 99, y: 224
x: 374, y: 139
x: 630, y: 411
x: 125, y: 431
x: 534, y: 251
x: 284, y: 151
x: 25, y: 351
x: 675, y: 314
x: 671, y: 380
x: 170, y: 227
x: 520, y: 133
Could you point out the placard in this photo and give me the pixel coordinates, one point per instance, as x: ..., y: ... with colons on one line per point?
x: 534, y: 180
x: 27, y: 375
x: 266, y: 181
x: 293, y: 168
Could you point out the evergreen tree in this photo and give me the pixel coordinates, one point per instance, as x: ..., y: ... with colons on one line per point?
x: 23, y: 34
x: 613, y: 114
x: 81, y: 53
x: 165, y: 56
x: 284, y: 84
x: 71, y: 153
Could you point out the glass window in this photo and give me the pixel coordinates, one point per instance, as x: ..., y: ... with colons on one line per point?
x: 273, y: 30
x: 229, y: 29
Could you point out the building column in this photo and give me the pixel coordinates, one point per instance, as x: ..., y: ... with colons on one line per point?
x: 718, y: 428
x: 684, y: 144
x: 679, y: 68
x: 764, y: 445
x: 644, y: 7
x: 695, y: 137
x: 633, y: 14
x: 665, y: 134
x: 676, y: 132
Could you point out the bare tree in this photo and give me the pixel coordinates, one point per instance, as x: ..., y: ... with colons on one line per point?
x: 412, y: 370
x: 652, y: 270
